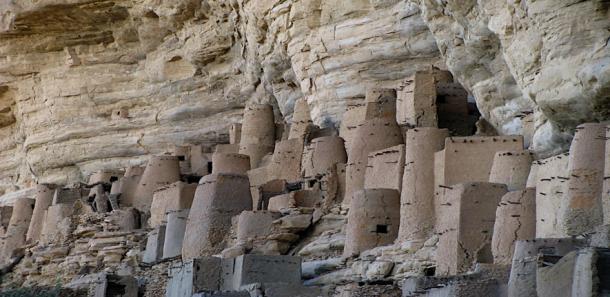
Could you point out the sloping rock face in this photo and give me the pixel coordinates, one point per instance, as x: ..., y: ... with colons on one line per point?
x: 551, y: 58
x: 101, y: 84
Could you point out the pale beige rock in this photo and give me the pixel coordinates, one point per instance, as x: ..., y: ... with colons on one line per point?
x: 57, y: 223
x: 235, y: 134
x: 286, y: 160
x: 352, y: 118
x: 380, y: 103
x: 255, y: 224
x: 471, y: 158
x: 301, y: 120
x: 508, y: 54
x: 551, y: 181
x: 258, y: 133
x: 130, y: 79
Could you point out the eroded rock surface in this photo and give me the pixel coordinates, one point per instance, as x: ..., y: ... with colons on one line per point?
x: 546, y: 57
x: 106, y: 83
x: 103, y: 84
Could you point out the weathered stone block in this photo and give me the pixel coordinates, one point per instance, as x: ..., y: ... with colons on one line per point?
x: 301, y: 120
x: 67, y: 195
x: 416, y: 101
x: 255, y: 224
x: 584, y: 210
x: 373, y: 220
x: 322, y: 154
x: 580, y: 273
x: 154, y: 245
x: 217, y: 199
x: 250, y: 269
x: 353, y: 117
x: 417, y: 195
x: 191, y: 276
x: 286, y: 160
x: 550, y: 178
x: 235, y: 134
x: 173, y: 197
x: 522, y: 281
x: 511, y: 168
x: 230, y: 163
x: 160, y: 171
x: 227, y: 149
x: 515, y: 220
x: 257, y: 133
x: 380, y: 103
x: 470, y: 159
x: 57, y: 223
x: 465, y: 224
x: 174, y: 232
x: 374, y: 135
x: 15, y: 235
x: 44, y: 198
x: 385, y: 168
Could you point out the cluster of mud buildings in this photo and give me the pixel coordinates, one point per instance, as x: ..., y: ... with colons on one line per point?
x: 403, y: 170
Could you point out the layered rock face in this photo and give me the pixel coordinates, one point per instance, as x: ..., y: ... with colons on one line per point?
x: 518, y: 57
x: 102, y: 84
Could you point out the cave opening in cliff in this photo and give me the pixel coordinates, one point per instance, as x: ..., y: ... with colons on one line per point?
x: 457, y: 110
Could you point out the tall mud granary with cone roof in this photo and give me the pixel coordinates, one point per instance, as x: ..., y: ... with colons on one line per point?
x: 305, y: 148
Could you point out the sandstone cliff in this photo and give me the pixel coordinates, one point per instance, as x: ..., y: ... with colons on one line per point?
x: 89, y: 84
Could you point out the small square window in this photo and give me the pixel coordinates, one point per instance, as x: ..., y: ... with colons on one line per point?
x: 381, y: 229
